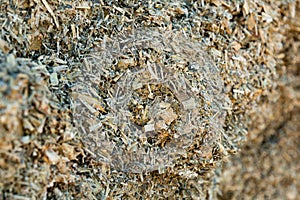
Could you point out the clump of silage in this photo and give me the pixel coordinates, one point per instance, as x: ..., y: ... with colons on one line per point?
x: 145, y: 97
x: 242, y: 38
x: 35, y: 130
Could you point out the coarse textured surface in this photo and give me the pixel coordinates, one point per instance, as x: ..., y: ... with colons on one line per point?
x: 35, y: 131
x: 267, y: 166
x: 163, y: 93
x: 253, y: 48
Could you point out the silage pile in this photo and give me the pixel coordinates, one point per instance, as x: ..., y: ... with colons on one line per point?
x: 143, y: 100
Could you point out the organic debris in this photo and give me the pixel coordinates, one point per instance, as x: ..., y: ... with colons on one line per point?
x: 160, y: 93
x: 188, y: 94
x: 34, y: 131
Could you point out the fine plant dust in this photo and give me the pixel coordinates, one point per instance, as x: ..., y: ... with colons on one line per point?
x: 144, y: 96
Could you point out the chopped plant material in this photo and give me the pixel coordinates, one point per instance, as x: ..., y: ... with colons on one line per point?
x: 149, y: 99
x: 158, y: 92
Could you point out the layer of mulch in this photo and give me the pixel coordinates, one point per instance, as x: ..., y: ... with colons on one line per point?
x: 145, y: 100
x: 267, y: 166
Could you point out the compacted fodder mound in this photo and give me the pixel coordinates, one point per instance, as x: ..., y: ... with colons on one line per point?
x: 142, y: 98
